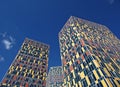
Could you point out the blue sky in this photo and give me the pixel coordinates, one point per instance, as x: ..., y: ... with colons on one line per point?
x: 42, y: 20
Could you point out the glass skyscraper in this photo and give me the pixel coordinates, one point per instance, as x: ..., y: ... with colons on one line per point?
x: 55, y: 77
x: 29, y: 69
x: 90, y: 54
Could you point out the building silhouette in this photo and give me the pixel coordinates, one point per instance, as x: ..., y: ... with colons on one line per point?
x: 29, y: 68
x: 90, y: 54
x: 55, y: 77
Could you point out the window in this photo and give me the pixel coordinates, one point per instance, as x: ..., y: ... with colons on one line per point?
x: 113, y: 83
x: 99, y: 84
x: 84, y: 83
x: 84, y: 64
x: 76, y: 71
x: 8, y: 76
x: 86, y: 71
x: 80, y: 68
x: 91, y: 78
x: 31, y: 60
x: 14, y: 72
x: 71, y: 75
x: 98, y: 73
x: 17, y: 83
x: 91, y: 67
x: 118, y: 81
x: 94, y: 77
x: 103, y: 72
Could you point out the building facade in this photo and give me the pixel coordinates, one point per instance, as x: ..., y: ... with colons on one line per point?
x: 55, y: 77
x: 90, y: 54
x: 29, y: 68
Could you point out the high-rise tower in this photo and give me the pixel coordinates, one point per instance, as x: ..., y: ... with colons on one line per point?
x: 29, y: 69
x: 90, y: 54
x: 55, y: 77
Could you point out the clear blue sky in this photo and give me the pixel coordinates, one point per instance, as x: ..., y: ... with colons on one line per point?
x: 42, y: 20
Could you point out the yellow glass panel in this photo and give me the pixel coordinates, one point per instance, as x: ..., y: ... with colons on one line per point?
x: 116, y: 78
x: 90, y: 63
x: 107, y: 66
x: 88, y: 81
x: 40, y: 54
x: 96, y: 82
x: 20, y: 68
x: 98, y: 58
x: 68, y: 84
x: 76, y: 85
x: 96, y: 75
x: 28, y: 60
x: 68, y: 78
x: 77, y: 24
x: 78, y: 34
x: 80, y: 84
x: 25, y: 70
x: 38, y: 62
x: 96, y: 63
x: 24, y: 74
x: 34, y: 61
x: 90, y: 47
x: 37, y: 73
x: 70, y: 63
x: 32, y: 72
x: 16, y: 68
x: 86, y: 66
x: 17, y: 73
x: 82, y: 75
x: 72, y: 24
x: 118, y: 85
x: 73, y: 60
x: 111, y: 66
x: 100, y: 72
x: 9, y: 72
x: 82, y: 66
x: 74, y: 28
x: 107, y: 71
x: 64, y: 80
x: 83, y: 49
x: 4, y: 83
x: 73, y: 75
x: 77, y: 55
x: 109, y: 83
x: 88, y: 29
x: 103, y: 83
x: 12, y: 67
x: 73, y: 82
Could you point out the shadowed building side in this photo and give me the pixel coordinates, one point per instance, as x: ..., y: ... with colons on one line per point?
x: 29, y: 68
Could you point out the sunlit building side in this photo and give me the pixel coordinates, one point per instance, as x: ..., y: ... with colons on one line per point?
x: 90, y: 54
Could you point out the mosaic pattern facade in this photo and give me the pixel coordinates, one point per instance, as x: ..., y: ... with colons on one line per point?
x: 90, y: 54
x: 29, y: 69
x: 55, y: 77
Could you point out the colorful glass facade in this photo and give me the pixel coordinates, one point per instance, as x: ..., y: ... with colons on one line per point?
x: 29, y: 69
x: 55, y: 77
x: 90, y: 54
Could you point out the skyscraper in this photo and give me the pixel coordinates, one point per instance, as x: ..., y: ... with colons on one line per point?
x: 29, y: 69
x: 90, y: 54
x: 55, y: 77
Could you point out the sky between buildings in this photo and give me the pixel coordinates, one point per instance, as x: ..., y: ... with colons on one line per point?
x: 42, y: 20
